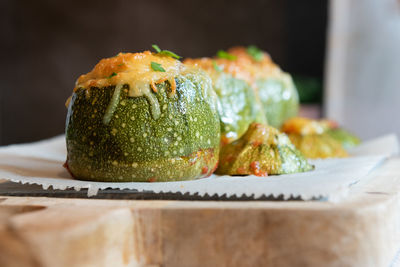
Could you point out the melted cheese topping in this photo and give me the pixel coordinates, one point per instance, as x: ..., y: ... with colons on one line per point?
x: 229, y: 66
x: 244, y: 67
x: 133, y: 69
x: 304, y: 126
x: 257, y: 69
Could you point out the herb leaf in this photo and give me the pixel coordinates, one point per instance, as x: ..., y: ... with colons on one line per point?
x: 216, y: 67
x: 157, y: 67
x: 225, y: 55
x: 112, y: 75
x: 155, y: 47
x: 165, y: 52
x: 170, y: 54
x: 255, y: 52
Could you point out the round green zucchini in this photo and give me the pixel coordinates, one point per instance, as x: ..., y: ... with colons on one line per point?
x: 279, y: 97
x: 274, y: 88
x: 114, y: 137
x: 238, y: 106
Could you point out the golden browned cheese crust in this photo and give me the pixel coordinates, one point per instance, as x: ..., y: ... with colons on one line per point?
x: 229, y: 66
x: 243, y: 67
x: 133, y: 69
x: 264, y: 68
x: 304, y: 126
x: 312, y: 139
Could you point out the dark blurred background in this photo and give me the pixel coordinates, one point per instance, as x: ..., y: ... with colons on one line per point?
x: 46, y: 45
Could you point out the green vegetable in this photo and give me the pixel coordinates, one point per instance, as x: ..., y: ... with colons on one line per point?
x: 347, y: 139
x: 261, y: 151
x: 112, y: 75
x: 158, y: 50
x: 165, y: 52
x: 255, y: 52
x: 279, y: 98
x: 238, y: 105
x: 115, y: 138
x: 225, y: 55
x: 157, y: 67
x: 170, y: 54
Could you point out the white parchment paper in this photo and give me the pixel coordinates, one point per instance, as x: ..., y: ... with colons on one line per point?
x: 41, y: 163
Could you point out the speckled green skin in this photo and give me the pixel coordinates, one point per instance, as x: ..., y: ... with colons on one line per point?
x: 238, y: 105
x: 279, y: 98
x: 347, y: 139
x: 182, y: 144
x: 292, y: 160
x: 272, y: 151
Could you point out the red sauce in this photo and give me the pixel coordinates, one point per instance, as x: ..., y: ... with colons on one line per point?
x: 255, y: 168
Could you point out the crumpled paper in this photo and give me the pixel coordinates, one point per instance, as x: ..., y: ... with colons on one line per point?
x: 41, y: 163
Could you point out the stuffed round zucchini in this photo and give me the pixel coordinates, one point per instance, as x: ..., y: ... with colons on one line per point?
x: 274, y: 88
x: 238, y: 104
x: 142, y: 117
x: 347, y: 139
x: 311, y: 137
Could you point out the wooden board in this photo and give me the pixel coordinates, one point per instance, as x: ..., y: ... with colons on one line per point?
x: 362, y: 230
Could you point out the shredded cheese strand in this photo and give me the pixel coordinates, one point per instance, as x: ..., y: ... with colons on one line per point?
x: 112, y: 106
x: 153, y: 87
x: 154, y: 105
x: 173, y: 85
x: 161, y: 80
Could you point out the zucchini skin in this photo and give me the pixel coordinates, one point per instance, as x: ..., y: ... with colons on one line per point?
x: 182, y: 144
x: 275, y: 88
x: 347, y: 139
x: 261, y: 151
x: 238, y: 106
x: 279, y: 97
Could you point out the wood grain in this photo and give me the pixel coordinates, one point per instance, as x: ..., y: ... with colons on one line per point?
x: 359, y: 231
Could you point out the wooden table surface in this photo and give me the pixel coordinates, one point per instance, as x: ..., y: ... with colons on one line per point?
x: 65, y: 228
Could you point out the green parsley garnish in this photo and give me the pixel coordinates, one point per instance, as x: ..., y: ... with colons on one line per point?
x: 112, y: 75
x: 165, y: 52
x: 216, y: 67
x: 255, y: 52
x: 225, y: 55
x: 170, y: 54
x: 157, y: 67
x: 155, y: 47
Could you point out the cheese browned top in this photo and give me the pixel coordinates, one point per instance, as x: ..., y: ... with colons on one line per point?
x: 244, y: 67
x: 304, y: 126
x: 229, y: 66
x: 263, y: 68
x: 133, y: 69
